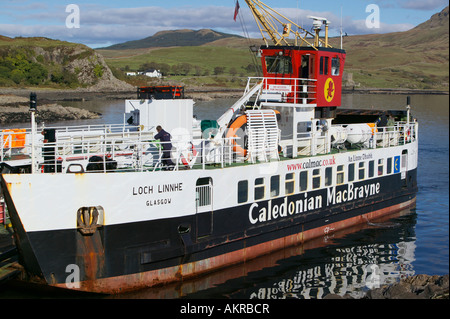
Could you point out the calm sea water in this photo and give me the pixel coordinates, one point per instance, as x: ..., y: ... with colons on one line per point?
x: 413, y: 242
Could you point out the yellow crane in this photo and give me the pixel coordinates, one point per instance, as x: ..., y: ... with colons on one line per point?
x: 267, y: 20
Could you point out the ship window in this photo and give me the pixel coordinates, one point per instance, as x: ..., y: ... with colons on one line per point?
x: 303, y: 181
x: 324, y: 65
x: 275, y: 186
x: 316, y: 178
x: 380, y: 167
x: 361, y: 170
x: 371, y: 168
x: 351, y: 172
x: 328, y: 176
x: 340, y: 175
x: 260, y: 188
x: 242, y: 192
x: 335, y: 66
x: 279, y: 64
x: 290, y: 183
x: 389, y: 166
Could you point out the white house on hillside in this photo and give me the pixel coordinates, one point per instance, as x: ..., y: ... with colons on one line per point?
x: 151, y: 73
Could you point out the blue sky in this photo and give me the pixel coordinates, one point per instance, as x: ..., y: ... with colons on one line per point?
x: 106, y: 22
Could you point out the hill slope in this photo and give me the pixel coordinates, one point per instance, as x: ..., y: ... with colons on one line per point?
x: 416, y: 59
x: 53, y: 63
x: 173, y: 38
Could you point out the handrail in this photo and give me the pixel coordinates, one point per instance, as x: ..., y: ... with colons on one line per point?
x: 286, y: 90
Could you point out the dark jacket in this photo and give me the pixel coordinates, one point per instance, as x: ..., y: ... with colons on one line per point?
x: 165, y: 137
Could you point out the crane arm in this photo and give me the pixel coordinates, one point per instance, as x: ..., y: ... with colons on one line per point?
x: 267, y: 19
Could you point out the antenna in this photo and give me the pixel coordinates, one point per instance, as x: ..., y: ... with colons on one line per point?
x: 341, y: 27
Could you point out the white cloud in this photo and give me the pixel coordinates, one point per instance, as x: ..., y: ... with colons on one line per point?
x: 101, y: 26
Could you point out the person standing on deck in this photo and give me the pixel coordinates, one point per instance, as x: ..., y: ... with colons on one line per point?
x: 165, y: 137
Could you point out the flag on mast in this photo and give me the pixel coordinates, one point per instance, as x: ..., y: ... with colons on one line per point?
x: 236, y: 10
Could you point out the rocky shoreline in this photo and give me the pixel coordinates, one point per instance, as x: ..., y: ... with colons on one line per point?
x: 414, y: 287
x: 14, y: 102
x: 15, y: 109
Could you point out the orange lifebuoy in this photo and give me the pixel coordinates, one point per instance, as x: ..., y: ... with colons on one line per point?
x: 190, y: 155
x: 232, y: 129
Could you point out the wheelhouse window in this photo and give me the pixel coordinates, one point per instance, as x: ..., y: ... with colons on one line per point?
x: 335, y: 66
x: 260, y: 189
x: 324, y: 61
x: 279, y: 64
x: 242, y: 192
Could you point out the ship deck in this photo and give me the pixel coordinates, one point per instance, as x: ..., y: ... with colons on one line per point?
x: 135, y: 151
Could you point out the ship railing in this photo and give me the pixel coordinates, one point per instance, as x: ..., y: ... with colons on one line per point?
x: 17, y: 142
x: 312, y: 143
x: 401, y: 133
x: 136, y: 155
x: 285, y: 90
x: 12, y: 142
x: 320, y: 140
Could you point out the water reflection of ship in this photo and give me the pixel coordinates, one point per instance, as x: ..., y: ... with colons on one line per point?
x: 350, y: 267
x: 349, y: 262
x: 356, y: 270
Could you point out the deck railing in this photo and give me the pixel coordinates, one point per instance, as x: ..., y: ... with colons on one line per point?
x: 138, y: 151
x: 285, y: 90
x: 135, y: 154
x: 320, y: 141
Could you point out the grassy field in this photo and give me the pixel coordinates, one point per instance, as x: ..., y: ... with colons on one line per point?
x: 206, y: 57
x: 203, y: 61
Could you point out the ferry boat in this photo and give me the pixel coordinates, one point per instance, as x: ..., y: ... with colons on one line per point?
x: 112, y: 209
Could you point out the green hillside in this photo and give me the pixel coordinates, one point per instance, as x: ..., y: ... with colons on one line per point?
x: 44, y: 62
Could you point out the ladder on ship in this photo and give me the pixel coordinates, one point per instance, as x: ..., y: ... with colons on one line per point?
x: 263, y: 135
